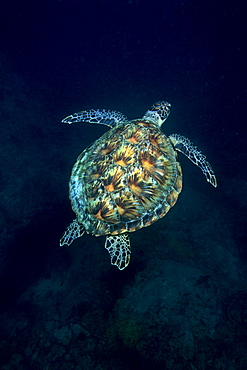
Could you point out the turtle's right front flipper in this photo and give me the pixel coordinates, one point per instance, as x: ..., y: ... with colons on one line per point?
x: 99, y: 116
x: 184, y: 145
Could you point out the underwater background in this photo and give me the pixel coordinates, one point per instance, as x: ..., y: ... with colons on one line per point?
x: 182, y: 301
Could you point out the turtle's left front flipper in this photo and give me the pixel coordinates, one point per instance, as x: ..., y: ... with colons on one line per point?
x: 119, y: 248
x: 184, y: 145
x: 99, y: 116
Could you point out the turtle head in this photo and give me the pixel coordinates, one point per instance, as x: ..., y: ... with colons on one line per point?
x: 158, y: 113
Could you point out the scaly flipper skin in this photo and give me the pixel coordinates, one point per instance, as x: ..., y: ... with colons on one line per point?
x: 73, y: 231
x: 100, y: 116
x: 184, y: 145
x: 119, y: 248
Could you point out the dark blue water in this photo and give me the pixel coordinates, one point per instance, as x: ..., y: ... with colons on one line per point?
x: 181, y: 303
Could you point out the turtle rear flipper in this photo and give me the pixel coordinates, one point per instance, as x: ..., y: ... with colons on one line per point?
x: 119, y: 248
x: 185, y: 146
x: 73, y: 231
x: 99, y: 116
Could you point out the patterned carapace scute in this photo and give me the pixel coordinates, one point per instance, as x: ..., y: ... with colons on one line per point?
x: 127, y: 179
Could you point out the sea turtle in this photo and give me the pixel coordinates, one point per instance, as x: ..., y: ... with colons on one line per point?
x: 127, y: 179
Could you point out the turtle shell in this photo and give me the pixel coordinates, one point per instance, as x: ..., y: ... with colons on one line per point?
x: 125, y: 180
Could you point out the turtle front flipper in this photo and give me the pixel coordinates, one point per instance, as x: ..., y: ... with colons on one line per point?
x: 119, y: 248
x: 100, y: 116
x: 73, y: 231
x: 184, y: 145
